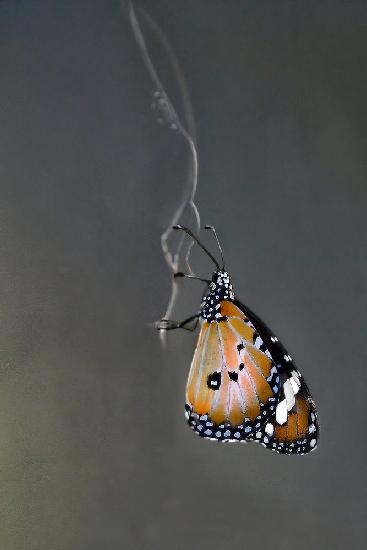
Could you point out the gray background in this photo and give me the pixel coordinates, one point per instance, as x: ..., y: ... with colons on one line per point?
x: 94, y: 449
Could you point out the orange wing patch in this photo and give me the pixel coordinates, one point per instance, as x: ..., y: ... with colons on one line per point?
x: 261, y: 360
x: 252, y: 405
x: 296, y: 426
x: 244, y: 331
x: 228, y: 309
x: 263, y: 389
x: 196, y: 362
x: 228, y: 375
x: 207, y: 360
x: 219, y: 410
x: 229, y: 341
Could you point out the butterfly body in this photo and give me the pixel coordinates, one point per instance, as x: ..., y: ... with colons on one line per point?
x: 243, y: 385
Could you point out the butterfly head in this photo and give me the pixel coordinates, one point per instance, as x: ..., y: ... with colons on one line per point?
x: 220, y: 288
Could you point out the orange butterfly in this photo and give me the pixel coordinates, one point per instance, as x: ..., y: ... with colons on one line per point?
x: 243, y: 385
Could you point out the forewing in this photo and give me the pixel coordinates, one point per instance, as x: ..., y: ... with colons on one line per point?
x: 233, y: 385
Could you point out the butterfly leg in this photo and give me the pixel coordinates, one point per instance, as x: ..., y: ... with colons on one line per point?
x: 167, y: 324
x: 188, y: 276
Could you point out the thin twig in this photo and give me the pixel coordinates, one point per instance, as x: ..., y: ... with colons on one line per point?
x: 163, y: 104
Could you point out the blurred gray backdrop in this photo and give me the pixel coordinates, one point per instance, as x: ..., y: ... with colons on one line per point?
x: 94, y: 449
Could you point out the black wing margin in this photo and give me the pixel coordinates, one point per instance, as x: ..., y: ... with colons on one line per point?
x: 294, y: 426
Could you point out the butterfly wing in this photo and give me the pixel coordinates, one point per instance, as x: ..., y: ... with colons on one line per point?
x: 233, y: 385
x: 244, y: 385
x: 294, y: 428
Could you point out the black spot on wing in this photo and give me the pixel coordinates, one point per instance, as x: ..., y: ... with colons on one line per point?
x: 233, y: 375
x: 214, y: 380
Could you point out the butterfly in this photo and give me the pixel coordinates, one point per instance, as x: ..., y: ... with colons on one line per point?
x: 243, y: 385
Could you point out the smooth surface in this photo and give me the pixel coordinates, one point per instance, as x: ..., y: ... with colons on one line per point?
x: 95, y: 452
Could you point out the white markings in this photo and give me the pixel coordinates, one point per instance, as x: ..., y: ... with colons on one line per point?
x: 258, y: 342
x: 289, y: 394
x: 295, y: 386
x: 281, y: 412
x: 312, y: 442
x: 227, y: 433
x: 288, y: 358
x: 296, y: 377
x: 258, y: 435
x: 312, y: 429
x: 269, y: 428
x: 274, y: 339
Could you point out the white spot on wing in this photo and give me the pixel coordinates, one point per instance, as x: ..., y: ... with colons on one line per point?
x: 296, y: 377
x: 295, y: 386
x: 281, y: 412
x: 269, y: 428
x: 289, y: 394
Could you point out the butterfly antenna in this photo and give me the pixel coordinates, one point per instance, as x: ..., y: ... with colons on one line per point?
x: 218, y: 243
x: 194, y: 237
